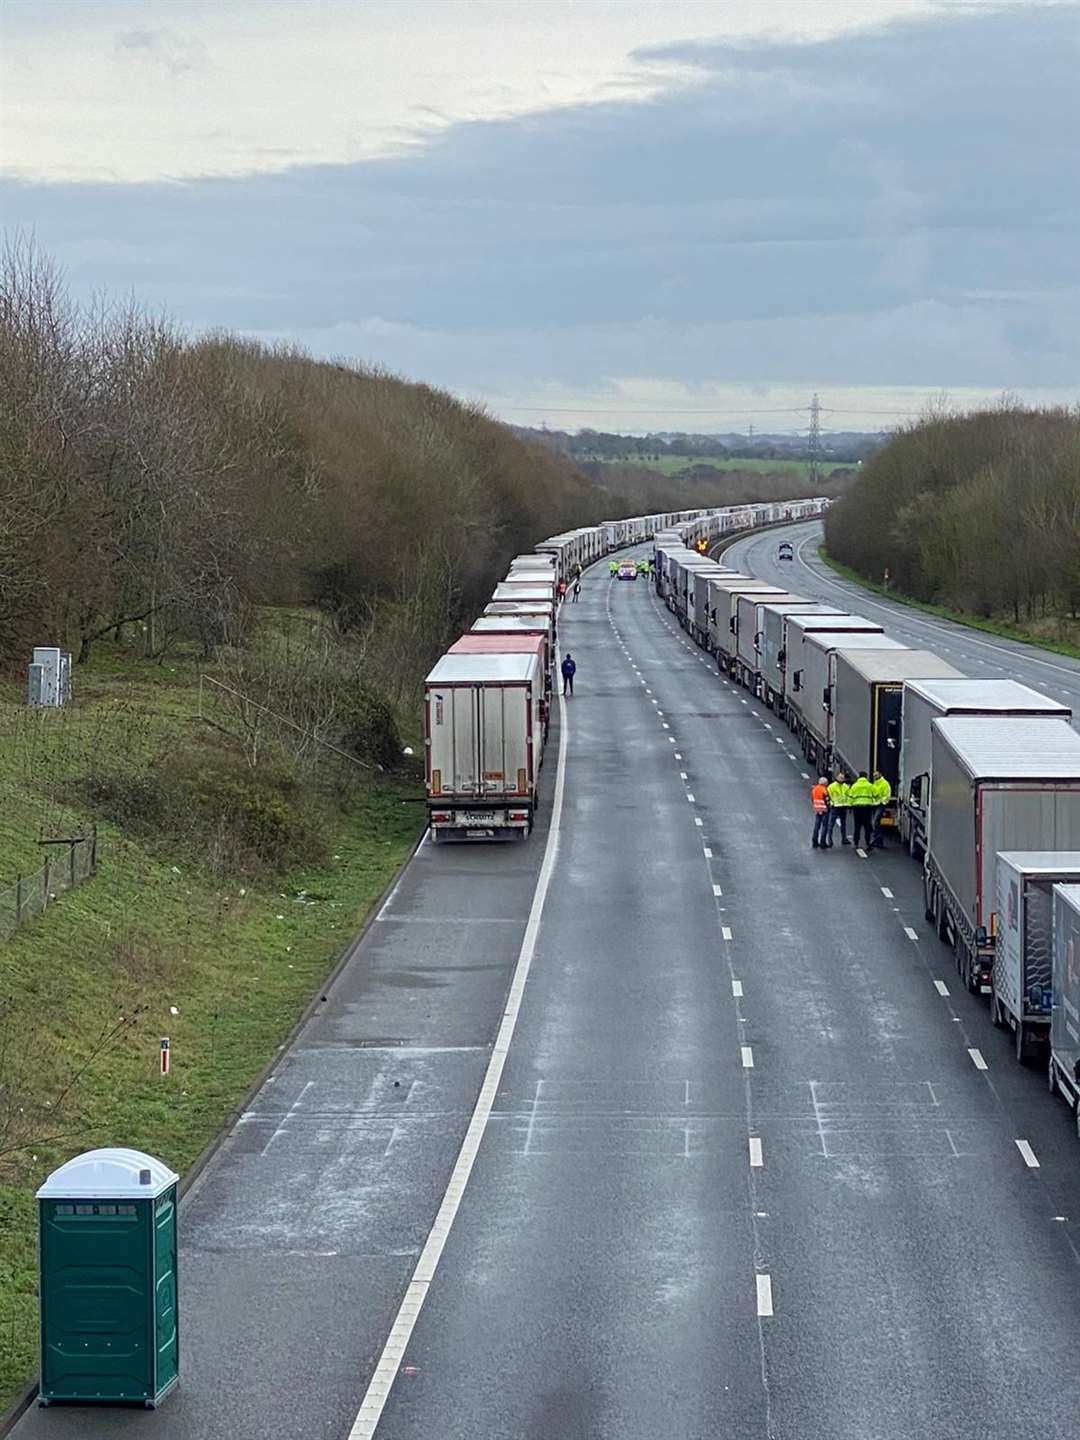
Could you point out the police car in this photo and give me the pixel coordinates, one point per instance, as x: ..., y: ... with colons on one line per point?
x: 784, y: 551
x: 627, y: 570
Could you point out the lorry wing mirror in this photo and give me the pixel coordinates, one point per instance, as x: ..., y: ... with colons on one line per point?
x: 731, y: 625
x: 892, y: 734
x: 781, y: 658
x: 796, y: 680
x: 826, y: 697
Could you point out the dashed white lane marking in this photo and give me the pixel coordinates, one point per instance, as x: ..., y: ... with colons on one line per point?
x: 708, y: 853
x: 682, y: 774
x: 977, y: 1059
x: 736, y: 989
x: 766, y: 724
x: 860, y: 852
x: 393, y: 1352
x: 764, y: 1295
x: 778, y: 740
x: 756, y: 1158
x: 1030, y: 1159
x: 677, y: 755
x: 725, y: 931
x: 805, y: 776
x: 747, y: 1057
x: 941, y: 988
x: 886, y: 892
x: 910, y: 933
x: 666, y: 725
x: 671, y: 738
x: 716, y: 890
x: 660, y: 713
x: 690, y: 798
x: 698, y: 820
x: 742, y: 701
x: 790, y: 756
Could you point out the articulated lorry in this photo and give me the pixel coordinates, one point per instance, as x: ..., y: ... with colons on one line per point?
x: 1021, y: 983
x: 484, y: 742
x: 928, y: 700
x: 865, y: 695
x: 996, y: 783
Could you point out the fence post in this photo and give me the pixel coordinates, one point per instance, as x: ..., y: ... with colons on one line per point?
x: 93, y: 849
x: 45, y: 884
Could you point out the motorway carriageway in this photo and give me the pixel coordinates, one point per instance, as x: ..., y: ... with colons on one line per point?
x: 693, y: 1135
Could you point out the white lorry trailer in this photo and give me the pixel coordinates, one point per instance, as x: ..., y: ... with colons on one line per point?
x: 1021, y: 983
x: 928, y: 700
x: 996, y: 783
x: 1064, y: 1070
x: 483, y: 737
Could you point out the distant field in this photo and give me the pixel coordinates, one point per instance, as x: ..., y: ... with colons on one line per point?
x: 672, y: 464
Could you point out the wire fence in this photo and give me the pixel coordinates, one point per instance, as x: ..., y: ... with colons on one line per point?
x: 71, y: 862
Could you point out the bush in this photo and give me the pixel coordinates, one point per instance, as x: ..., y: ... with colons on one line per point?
x: 233, y: 817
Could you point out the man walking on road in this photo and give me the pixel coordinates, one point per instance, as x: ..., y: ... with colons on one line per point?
x: 882, y: 796
x: 576, y: 591
x: 862, y: 800
x: 569, y: 670
x: 838, y: 808
x: 819, y: 798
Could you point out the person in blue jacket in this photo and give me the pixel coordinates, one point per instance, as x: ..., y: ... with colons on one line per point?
x: 569, y: 670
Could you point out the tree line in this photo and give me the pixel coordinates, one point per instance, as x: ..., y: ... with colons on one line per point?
x: 158, y: 488
x: 978, y: 511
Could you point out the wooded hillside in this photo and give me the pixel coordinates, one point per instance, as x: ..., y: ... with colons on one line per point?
x: 163, y: 486
x: 980, y: 512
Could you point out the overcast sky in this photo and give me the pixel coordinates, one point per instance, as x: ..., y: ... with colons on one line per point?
x: 677, y: 215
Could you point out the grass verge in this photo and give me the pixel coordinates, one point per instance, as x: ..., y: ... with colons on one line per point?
x: 159, y: 942
x: 1043, y: 641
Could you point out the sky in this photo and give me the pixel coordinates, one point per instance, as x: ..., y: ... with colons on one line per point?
x: 679, y: 216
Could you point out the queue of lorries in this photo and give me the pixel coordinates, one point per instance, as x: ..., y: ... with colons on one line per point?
x: 985, y: 777
x: 487, y: 701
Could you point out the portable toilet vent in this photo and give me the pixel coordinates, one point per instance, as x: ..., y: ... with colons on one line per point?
x: 108, y: 1243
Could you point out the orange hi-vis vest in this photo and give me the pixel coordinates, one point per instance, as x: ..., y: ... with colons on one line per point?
x: 820, y: 796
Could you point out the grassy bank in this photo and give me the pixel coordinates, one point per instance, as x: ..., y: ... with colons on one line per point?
x: 173, y: 936
x: 1057, y: 633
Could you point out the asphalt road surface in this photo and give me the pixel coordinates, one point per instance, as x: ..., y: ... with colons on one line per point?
x: 743, y: 1173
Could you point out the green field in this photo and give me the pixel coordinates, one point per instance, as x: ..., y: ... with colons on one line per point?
x: 673, y: 464
x: 160, y: 942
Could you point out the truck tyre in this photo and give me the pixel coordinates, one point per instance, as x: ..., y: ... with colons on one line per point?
x: 1051, y: 1076
x: 1023, y: 1048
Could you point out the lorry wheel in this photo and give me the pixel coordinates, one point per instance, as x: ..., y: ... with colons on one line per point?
x: 1023, y: 1050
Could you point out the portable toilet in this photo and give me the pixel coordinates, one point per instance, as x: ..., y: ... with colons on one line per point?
x: 109, y: 1323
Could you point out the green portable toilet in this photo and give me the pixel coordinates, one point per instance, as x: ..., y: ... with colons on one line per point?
x: 109, y: 1326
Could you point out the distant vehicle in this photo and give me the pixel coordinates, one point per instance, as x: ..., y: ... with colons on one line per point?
x: 628, y: 571
x: 784, y: 551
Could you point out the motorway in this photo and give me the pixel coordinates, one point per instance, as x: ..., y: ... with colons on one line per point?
x: 693, y: 1135
x: 982, y: 656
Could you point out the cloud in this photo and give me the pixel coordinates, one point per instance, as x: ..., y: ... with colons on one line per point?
x: 178, y: 54
x: 896, y: 208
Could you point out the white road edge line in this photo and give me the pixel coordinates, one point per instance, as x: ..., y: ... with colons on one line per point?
x: 389, y: 1362
x: 690, y: 798
x: 941, y: 988
x: 977, y: 1059
x: 756, y: 1159
x: 910, y: 933
x: 708, y: 853
x: 764, y: 1295
x: 1030, y: 1159
x: 886, y: 892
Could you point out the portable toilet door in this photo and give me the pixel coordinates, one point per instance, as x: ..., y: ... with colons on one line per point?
x: 108, y: 1251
